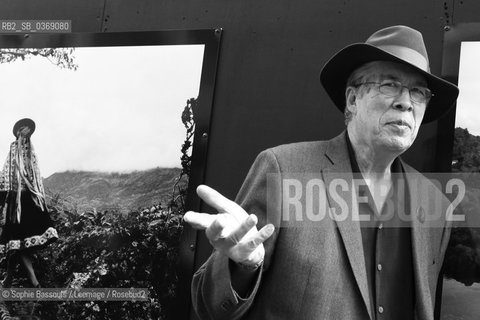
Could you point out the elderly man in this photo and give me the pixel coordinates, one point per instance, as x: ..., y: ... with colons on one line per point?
x: 266, y: 266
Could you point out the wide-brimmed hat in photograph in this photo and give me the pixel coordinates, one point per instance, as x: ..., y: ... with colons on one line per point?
x: 25, y: 122
x: 399, y: 44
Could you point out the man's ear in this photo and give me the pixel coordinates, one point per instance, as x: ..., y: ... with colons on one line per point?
x: 351, y: 99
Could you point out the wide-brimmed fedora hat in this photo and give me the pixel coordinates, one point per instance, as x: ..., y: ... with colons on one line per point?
x: 397, y: 44
x: 25, y: 122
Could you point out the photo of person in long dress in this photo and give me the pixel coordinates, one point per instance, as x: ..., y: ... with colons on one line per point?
x: 28, y: 226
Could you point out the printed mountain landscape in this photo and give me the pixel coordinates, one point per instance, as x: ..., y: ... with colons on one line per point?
x: 88, y: 190
x: 466, y: 151
x: 462, y: 260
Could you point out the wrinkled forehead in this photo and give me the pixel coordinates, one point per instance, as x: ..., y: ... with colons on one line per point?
x: 387, y: 70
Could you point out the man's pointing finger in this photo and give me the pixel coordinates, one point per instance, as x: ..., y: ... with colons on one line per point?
x: 199, y: 221
x: 219, y: 202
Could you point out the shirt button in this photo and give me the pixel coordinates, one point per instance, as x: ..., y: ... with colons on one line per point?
x: 380, y: 309
x: 379, y: 267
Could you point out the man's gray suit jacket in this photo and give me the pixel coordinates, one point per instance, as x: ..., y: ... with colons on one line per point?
x: 316, y: 269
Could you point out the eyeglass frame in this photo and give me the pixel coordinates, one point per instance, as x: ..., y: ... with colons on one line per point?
x: 382, y: 84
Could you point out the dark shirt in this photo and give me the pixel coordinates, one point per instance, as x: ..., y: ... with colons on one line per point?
x: 387, y: 247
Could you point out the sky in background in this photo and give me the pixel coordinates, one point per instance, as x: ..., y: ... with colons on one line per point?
x: 468, y: 104
x: 119, y: 111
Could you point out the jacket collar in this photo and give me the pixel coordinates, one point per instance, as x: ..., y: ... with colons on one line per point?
x: 340, y: 171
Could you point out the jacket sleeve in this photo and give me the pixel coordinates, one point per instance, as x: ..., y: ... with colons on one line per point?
x: 212, y: 294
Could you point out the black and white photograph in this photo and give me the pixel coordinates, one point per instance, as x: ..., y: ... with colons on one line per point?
x: 97, y: 144
x: 461, y: 284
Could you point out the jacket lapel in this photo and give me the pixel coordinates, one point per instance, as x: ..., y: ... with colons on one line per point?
x: 340, y: 168
x: 420, y: 243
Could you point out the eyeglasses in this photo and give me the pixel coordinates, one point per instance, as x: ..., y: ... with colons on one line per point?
x: 394, y: 88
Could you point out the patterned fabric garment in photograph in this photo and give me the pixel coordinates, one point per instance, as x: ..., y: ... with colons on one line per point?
x: 22, y: 198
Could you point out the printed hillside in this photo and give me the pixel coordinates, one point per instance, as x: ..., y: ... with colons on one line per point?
x: 87, y: 190
x: 466, y: 151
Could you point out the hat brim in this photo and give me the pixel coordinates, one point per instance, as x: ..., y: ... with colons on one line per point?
x: 336, y: 71
x: 26, y: 122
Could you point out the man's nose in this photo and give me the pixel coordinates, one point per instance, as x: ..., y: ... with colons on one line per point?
x: 403, y: 101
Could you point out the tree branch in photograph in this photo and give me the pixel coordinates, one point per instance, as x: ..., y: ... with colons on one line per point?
x: 179, y: 193
x: 61, y: 57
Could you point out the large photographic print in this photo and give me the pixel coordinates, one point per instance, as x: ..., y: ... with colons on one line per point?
x: 461, y: 285
x: 110, y: 122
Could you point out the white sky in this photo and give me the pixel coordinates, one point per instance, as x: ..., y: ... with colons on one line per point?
x: 468, y: 104
x: 120, y: 111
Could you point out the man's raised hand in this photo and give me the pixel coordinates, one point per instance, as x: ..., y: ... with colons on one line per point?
x: 232, y: 231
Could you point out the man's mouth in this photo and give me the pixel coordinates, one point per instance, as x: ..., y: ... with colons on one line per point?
x: 400, y: 123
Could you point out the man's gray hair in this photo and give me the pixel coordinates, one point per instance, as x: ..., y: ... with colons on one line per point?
x: 359, y: 75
